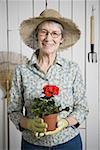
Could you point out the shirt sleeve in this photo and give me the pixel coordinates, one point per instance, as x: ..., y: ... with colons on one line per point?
x: 15, y: 106
x: 80, y: 108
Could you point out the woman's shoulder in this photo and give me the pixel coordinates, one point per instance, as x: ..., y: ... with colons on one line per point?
x: 69, y: 63
x: 20, y: 67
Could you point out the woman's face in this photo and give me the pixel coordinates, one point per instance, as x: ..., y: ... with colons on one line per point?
x: 49, y: 37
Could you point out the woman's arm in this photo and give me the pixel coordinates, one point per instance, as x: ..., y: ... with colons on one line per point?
x: 80, y: 107
x: 15, y: 106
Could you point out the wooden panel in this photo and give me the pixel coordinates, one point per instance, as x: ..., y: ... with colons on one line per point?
x: 92, y: 92
x: 99, y: 67
x: 39, y: 6
x: 79, y: 48
x: 1, y: 121
x: 65, y: 10
x: 53, y: 4
x: 13, y: 19
x: 6, y: 135
x: 14, y: 41
x: 20, y: 11
x: 26, y: 51
x: 82, y: 132
x: 15, y: 138
x: 25, y: 10
x: 92, y: 83
x: 78, y: 52
x: 3, y: 47
x: 3, y: 26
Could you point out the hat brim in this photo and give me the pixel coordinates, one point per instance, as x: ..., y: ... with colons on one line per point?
x: 27, y: 29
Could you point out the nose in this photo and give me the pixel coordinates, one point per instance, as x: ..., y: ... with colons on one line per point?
x: 48, y: 36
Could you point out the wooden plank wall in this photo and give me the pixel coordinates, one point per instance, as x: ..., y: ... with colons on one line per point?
x: 13, y: 12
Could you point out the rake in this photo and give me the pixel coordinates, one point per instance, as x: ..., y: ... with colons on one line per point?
x: 8, y: 62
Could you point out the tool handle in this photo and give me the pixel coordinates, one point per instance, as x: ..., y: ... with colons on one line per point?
x: 92, y: 48
x: 92, y: 29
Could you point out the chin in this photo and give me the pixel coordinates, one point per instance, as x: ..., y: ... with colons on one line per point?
x: 50, y: 52
x: 48, y: 49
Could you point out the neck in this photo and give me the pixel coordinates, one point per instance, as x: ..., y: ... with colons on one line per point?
x: 46, y: 59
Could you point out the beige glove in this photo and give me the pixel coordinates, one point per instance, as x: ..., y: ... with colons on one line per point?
x: 37, y: 126
x: 62, y: 123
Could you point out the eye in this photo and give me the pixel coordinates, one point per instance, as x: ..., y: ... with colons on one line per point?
x: 55, y: 33
x: 42, y: 32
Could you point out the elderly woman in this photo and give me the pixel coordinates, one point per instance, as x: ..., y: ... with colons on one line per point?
x: 48, y: 34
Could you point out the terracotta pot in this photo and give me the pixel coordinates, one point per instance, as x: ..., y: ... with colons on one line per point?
x: 51, y: 121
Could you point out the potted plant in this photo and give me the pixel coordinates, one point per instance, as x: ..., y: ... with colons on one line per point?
x: 45, y: 107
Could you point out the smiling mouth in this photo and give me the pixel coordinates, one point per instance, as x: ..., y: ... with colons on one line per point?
x: 47, y: 45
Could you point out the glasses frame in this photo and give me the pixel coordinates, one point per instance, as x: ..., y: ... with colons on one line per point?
x: 44, y: 32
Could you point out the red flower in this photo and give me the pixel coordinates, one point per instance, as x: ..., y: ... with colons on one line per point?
x: 51, y: 90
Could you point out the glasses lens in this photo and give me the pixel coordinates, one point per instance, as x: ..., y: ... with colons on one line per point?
x: 54, y: 34
x: 43, y: 32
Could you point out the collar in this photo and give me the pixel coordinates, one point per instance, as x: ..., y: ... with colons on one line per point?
x: 58, y: 59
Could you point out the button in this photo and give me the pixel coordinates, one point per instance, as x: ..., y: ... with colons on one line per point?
x: 67, y: 108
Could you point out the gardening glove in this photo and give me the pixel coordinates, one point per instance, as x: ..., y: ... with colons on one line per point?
x: 61, y: 124
x: 37, y: 126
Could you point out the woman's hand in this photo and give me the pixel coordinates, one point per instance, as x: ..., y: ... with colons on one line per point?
x: 62, y: 123
x: 36, y: 125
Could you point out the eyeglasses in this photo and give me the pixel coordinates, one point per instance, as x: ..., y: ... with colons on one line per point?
x: 54, y: 34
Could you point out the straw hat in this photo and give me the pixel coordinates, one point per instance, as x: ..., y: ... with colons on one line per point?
x: 27, y: 29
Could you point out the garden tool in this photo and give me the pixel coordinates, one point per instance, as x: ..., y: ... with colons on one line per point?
x: 92, y: 56
x: 8, y: 62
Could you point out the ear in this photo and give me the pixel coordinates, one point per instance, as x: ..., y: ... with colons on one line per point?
x: 61, y: 41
